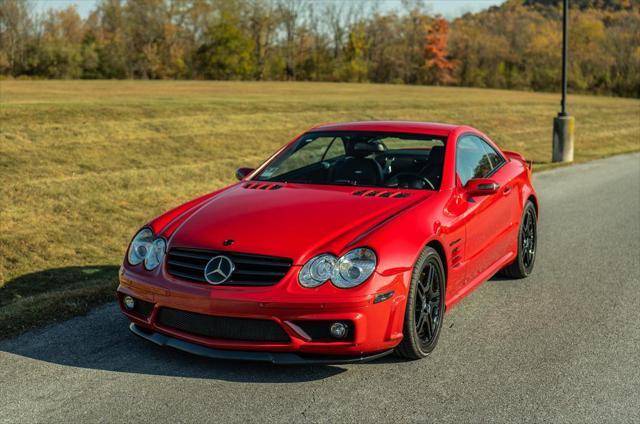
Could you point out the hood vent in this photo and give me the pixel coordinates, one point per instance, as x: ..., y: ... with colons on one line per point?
x: 262, y: 186
x: 374, y: 193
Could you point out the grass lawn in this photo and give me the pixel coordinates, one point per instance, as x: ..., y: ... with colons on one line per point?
x: 84, y: 164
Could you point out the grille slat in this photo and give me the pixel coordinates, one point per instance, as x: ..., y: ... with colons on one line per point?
x: 185, y: 265
x: 188, y: 276
x: 225, y: 328
x: 267, y: 273
x: 250, y: 270
x: 191, y: 254
x: 249, y: 261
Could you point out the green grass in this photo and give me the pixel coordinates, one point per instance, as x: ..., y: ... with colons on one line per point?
x: 84, y: 164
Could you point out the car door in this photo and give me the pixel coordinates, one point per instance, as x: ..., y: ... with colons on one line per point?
x: 488, y: 218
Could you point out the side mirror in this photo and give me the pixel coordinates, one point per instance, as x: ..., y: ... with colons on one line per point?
x: 481, y: 187
x: 241, y: 173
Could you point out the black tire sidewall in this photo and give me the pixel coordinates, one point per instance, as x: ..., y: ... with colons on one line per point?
x: 524, y: 270
x: 410, y: 333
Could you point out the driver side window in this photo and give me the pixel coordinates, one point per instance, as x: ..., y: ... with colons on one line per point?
x: 472, y: 159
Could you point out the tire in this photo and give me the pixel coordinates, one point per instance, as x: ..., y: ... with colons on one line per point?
x: 527, y: 245
x: 425, y: 307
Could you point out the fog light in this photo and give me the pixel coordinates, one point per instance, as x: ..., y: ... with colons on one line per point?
x: 339, y: 330
x: 129, y: 302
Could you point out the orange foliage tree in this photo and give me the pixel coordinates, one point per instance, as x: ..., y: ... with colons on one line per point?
x: 438, y: 66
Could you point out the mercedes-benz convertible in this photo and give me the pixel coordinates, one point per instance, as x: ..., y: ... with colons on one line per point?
x: 349, y: 243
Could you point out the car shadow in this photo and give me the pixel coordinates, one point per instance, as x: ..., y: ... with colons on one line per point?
x: 54, y: 280
x: 101, y: 340
x: 499, y: 277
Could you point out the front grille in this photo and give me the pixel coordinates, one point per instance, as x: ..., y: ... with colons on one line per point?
x: 226, y: 328
x: 250, y: 270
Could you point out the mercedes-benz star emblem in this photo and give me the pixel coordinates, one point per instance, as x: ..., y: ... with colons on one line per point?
x: 218, y: 270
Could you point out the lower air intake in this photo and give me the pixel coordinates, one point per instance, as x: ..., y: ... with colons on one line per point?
x: 224, y: 328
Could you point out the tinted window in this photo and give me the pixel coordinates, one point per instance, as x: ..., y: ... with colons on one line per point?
x: 336, y: 149
x: 495, y: 159
x: 307, y: 152
x: 475, y: 158
x: 394, y: 160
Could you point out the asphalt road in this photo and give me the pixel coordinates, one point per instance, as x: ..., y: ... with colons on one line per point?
x: 561, y: 346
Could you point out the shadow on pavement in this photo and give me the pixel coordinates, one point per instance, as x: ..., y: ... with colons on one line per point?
x: 54, y: 280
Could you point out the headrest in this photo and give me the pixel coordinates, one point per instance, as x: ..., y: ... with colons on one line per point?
x: 362, y: 149
x: 437, y: 154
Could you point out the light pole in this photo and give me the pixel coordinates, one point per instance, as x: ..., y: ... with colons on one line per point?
x: 563, y: 124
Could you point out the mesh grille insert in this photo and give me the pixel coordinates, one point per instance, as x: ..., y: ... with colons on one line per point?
x: 226, y: 328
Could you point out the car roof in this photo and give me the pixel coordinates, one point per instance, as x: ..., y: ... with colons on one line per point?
x: 390, y: 126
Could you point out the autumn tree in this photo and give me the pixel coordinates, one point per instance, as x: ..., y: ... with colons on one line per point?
x: 439, y: 68
x: 16, y: 30
x: 227, y: 52
x: 515, y: 45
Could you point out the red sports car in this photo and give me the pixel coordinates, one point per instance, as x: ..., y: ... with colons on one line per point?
x: 347, y: 244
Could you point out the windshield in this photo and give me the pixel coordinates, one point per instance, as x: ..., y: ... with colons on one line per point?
x: 361, y: 159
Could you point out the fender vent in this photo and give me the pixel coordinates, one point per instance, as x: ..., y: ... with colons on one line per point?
x: 262, y: 186
x: 374, y: 193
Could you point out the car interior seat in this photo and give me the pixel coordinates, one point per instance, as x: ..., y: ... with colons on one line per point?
x: 357, y: 167
x: 433, y: 168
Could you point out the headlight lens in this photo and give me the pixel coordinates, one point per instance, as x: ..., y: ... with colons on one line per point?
x: 156, y: 254
x: 317, y: 270
x: 354, y: 267
x: 145, y: 248
x: 140, y: 246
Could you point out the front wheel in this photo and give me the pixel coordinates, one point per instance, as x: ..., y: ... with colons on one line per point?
x: 425, y: 307
x: 527, y: 245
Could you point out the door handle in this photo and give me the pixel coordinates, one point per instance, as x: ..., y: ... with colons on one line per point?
x: 506, y: 190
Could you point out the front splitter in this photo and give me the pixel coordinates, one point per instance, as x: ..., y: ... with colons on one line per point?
x: 280, y: 358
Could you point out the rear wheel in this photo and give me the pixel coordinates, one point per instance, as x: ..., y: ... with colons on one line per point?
x: 425, y: 307
x: 527, y: 245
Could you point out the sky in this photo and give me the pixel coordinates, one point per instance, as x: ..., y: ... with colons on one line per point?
x: 447, y: 8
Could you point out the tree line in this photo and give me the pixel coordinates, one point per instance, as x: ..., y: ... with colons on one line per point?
x: 516, y: 45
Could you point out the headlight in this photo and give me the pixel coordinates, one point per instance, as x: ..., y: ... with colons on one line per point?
x: 156, y: 254
x: 317, y: 270
x: 145, y: 248
x: 140, y: 246
x: 352, y: 269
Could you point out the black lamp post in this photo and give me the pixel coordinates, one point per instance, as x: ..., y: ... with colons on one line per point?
x: 563, y: 124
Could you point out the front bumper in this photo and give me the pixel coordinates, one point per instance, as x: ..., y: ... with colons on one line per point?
x: 278, y: 358
x: 377, y: 326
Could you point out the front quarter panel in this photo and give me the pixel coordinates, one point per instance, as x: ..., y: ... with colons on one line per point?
x: 167, y: 223
x: 399, y: 242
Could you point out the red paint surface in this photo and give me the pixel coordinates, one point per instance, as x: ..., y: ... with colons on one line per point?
x: 477, y: 234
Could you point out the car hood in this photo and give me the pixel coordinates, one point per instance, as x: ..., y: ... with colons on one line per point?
x: 289, y: 220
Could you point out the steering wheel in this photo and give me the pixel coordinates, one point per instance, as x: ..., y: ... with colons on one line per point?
x: 408, y: 180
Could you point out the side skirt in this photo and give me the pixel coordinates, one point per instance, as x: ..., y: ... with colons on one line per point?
x: 485, y: 276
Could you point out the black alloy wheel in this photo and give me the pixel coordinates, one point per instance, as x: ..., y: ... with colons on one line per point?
x: 425, y: 307
x: 527, y: 245
x: 528, y: 242
x: 427, y: 304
